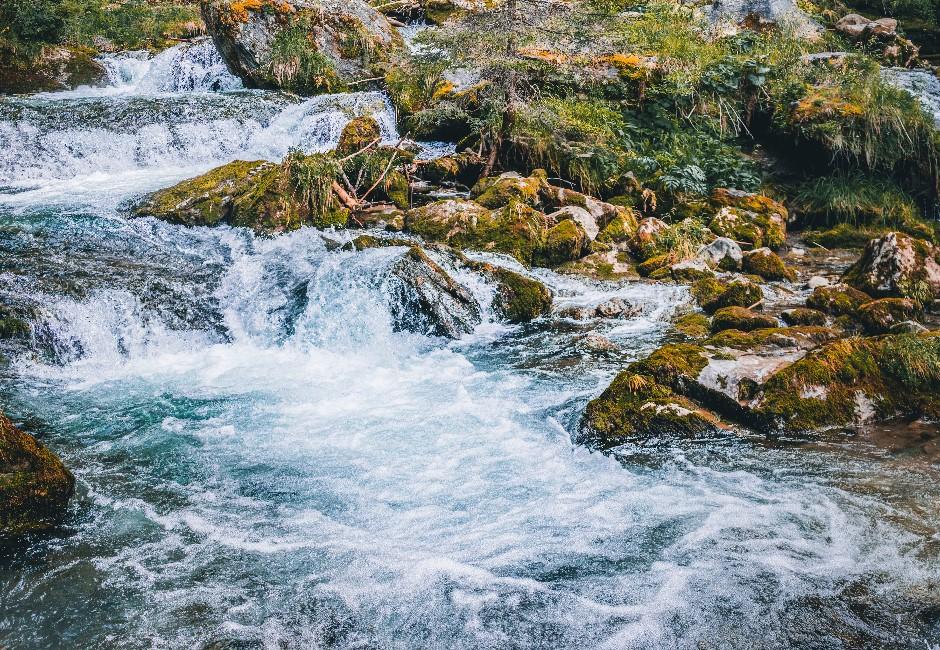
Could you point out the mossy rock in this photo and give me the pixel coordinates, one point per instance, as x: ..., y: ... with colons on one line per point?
x: 805, y: 337
x: 690, y: 271
x: 898, y: 266
x: 564, y: 242
x: 695, y: 326
x: 358, y: 134
x: 498, y: 192
x: 209, y: 199
x: 765, y: 263
x: 742, y: 319
x: 837, y: 299
x: 712, y: 294
x: 880, y: 316
x: 620, y: 230
x: 635, y: 406
x: 12, y: 325
x: 648, y: 267
x: 35, y: 487
x: 463, y: 167
x: 605, y: 265
x: 52, y: 68
x: 855, y: 381
x: 803, y: 316
x: 647, y: 240
x: 744, y: 216
x: 515, y: 229
x: 518, y: 299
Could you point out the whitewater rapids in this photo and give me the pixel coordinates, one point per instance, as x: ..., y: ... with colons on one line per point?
x: 264, y: 462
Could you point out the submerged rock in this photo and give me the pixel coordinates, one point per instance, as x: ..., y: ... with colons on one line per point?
x: 518, y: 298
x: 424, y: 299
x: 35, y: 487
x: 613, y: 308
x: 298, y: 46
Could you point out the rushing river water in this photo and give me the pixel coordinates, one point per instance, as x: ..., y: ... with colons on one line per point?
x: 263, y: 461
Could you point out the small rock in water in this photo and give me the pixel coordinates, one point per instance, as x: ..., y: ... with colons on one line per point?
x: 817, y: 281
x: 599, y: 343
x: 613, y: 308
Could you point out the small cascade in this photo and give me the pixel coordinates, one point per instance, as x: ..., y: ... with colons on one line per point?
x: 922, y: 84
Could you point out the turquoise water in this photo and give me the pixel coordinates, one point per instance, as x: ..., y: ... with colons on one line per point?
x: 264, y: 462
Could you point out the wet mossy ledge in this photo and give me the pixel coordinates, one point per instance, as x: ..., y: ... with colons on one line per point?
x: 35, y: 487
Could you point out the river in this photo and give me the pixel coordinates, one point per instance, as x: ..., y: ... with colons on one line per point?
x: 263, y: 461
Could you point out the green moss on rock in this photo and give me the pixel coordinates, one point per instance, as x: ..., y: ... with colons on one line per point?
x: 358, y: 134
x: 837, y: 300
x: 510, y: 187
x: 765, y: 263
x: 695, y: 325
x: 741, y: 318
x: 35, y: 487
x: 803, y: 316
x: 564, y: 242
x: 879, y: 316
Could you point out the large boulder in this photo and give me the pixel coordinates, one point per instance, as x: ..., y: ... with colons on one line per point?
x: 898, y: 265
x: 300, y: 46
x: 424, y: 299
x: 35, y: 487
x: 728, y: 16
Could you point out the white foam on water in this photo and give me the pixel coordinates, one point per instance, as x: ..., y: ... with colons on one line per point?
x: 346, y: 470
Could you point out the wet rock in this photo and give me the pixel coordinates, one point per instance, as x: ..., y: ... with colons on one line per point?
x: 837, y: 300
x: 880, y: 316
x: 908, y: 327
x: 598, y: 343
x: 713, y: 294
x: 518, y: 298
x: 722, y: 253
x: 803, y: 316
x: 898, y: 265
x: 613, y: 308
x: 298, y: 46
x: 767, y: 264
x: 751, y: 218
x: 606, y: 265
x: 424, y: 299
x: 515, y: 229
x: 741, y: 318
x: 35, y: 487
x: 496, y: 192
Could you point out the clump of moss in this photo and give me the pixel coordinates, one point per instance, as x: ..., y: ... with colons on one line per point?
x: 803, y: 316
x: 742, y: 319
x: 694, y: 325
x: 564, y: 242
x: 879, y: 316
x: 497, y: 192
x: 837, y: 300
x: 804, y: 337
x: 765, y: 263
x: 713, y: 294
x: 359, y: 133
